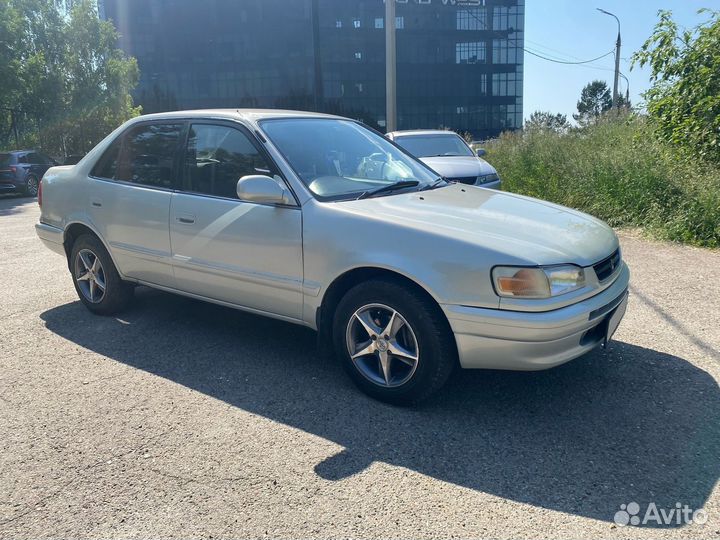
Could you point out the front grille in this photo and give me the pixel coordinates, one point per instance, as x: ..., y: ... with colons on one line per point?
x: 469, y: 180
x: 606, y: 268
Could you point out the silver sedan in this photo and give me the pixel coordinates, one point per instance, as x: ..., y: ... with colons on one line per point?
x: 317, y: 220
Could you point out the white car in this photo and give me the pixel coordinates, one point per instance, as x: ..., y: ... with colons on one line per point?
x: 449, y: 155
x: 317, y: 220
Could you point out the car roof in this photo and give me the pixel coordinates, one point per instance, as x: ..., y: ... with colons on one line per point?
x: 412, y: 132
x: 233, y: 114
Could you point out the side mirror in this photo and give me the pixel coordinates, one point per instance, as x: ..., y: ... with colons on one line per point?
x: 262, y: 189
x: 480, y: 152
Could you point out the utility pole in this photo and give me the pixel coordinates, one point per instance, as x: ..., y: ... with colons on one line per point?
x: 390, y: 68
x: 617, y: 59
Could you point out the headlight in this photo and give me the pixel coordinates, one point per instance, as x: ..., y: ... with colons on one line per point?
x: 485, y: 178
x: 542, y: 282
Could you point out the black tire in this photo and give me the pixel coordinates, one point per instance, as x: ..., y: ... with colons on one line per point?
x: 31, y: 185
x: 117, y: 293
x: 436, y: 349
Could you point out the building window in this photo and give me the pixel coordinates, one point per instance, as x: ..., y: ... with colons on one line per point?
x: 506, y: 51
x: 379, y: 23
x: 507, y: 84
x: 356, y: 23
x: 472, y: 19
x: 358, y: 55
x: 399, y: 23
x: 338, y: 24
x: 470, y: 53
x: 507, y: 18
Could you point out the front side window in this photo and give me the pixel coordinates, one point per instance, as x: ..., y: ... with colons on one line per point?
x: 434, y: 145
x: 340, y: 159
x: 217, y: 157
x: 148, y: 155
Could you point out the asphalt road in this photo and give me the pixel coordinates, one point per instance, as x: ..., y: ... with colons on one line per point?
x: 184, y: 419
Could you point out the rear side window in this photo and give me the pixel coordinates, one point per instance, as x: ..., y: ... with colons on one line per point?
x: 148, y: 155
x: 217, y: 157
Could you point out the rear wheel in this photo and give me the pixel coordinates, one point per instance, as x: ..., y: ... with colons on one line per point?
x: 31, y: 185
x: 393, y: 341
x: 95, y: 277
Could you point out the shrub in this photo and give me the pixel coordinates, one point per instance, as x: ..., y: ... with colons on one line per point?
x: 619, y: 171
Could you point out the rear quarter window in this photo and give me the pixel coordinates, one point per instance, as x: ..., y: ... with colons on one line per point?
x: 106, y: 166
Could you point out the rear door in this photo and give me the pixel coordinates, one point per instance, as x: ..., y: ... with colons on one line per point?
x: 37, y: 164
x: 129, y: 199
x: 239, y: 252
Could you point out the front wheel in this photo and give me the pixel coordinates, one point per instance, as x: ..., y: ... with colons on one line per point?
x: 95, y: 277
x: 393, y: 341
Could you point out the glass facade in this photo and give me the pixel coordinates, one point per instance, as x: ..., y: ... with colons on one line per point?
x: 459, y: 62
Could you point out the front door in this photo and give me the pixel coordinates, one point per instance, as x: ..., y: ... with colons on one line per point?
x: 238, y: 252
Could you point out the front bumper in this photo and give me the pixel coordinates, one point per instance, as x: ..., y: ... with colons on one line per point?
x: 52, y: 237
x: 495, y: 184
x: 500, y: 339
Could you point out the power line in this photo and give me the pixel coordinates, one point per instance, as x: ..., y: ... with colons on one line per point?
x: 564, y: 61
x: 484, y: 22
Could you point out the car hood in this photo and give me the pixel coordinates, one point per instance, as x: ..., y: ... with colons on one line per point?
x: 458, y: 166
x: 523, y: 229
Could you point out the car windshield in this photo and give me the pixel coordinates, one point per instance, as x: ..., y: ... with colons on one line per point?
x: 434, y: 145
x: 5, y: 160
x: 340, y: 159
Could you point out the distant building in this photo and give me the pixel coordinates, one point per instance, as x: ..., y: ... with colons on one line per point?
x: 459, y: 62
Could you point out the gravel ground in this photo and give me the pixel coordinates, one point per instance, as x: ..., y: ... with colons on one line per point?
x: 184, y: 419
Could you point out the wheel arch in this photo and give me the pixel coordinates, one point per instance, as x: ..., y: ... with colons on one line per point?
x: 76, y: 229
x: 347, y: 280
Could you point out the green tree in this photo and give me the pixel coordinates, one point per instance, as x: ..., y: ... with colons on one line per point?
x: 547, y: 121
x: 684, y: 100
x: 595, y: 99
x: 68, y: 81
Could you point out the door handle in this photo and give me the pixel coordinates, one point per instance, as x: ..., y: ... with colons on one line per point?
x: 98, y: 204
x: 185, y: 220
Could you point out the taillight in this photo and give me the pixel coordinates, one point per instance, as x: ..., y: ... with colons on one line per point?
x: 13, y: 169
x: 40, y: 193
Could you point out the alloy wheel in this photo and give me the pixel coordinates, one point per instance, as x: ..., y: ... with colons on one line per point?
x: 90, y: 276
x: 382, y: 345
x: 32, y: 186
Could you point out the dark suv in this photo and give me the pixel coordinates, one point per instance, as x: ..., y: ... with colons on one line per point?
x: 21, y: 171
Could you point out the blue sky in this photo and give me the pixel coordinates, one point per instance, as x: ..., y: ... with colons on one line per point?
x: 575, y: 30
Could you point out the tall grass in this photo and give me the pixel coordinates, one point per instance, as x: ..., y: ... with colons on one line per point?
x: 618, y: 171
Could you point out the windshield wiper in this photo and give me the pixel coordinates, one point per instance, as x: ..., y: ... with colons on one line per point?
x: 389, y: 187
x: 435, y: 184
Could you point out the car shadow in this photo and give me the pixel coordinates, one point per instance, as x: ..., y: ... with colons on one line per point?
x: 627, y: 424
x: 10, y: 203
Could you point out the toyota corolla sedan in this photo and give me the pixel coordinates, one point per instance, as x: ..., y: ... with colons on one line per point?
x: 449, y: 155
x: 320, y: 221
